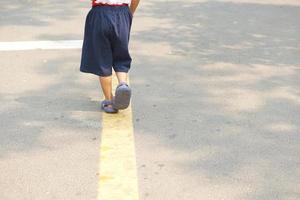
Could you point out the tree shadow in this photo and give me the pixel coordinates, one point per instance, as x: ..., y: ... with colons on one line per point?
x: 36, y: 13
x: 60, y: 108
x: 241, y: 33
x: 225, y: 91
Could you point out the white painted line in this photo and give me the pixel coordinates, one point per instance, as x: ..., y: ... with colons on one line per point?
x: 42, y: 45
x: 118, y: 172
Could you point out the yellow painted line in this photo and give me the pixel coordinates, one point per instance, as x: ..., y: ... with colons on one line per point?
x: 118, y: 172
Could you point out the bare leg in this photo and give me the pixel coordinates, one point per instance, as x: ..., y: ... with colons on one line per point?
x: 106, y: 85
x: 122, y: 77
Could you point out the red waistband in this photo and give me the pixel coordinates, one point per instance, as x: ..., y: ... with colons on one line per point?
x: 106, y: 4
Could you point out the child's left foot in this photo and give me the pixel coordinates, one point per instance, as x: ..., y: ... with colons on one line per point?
x: 122, y: 97
x: 107, y: 106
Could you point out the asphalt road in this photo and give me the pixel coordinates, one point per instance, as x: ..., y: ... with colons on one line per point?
x: 216, y: 102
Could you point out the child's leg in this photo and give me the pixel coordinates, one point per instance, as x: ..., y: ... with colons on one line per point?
x: 106, y: 85
x: 122, y: 77
x: 120, y: 34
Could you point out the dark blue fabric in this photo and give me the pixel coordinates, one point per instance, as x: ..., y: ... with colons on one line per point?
x: 106, y: 38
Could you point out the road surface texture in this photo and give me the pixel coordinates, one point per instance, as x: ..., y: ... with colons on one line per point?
x: 215, y: 108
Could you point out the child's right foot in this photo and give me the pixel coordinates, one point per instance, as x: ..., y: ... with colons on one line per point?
x: 122, y: 97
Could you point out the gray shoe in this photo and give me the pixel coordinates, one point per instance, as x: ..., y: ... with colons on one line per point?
x: 105, y: 107
x: 122, y: 97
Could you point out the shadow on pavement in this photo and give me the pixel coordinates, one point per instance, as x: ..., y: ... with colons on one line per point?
x: 36, y: 13
x: 224, y: 94
x: 239, y: 33
x: 59, y: 109
x: 221, y: 89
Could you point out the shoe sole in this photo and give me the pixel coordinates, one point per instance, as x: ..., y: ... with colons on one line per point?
x: 122, y: 98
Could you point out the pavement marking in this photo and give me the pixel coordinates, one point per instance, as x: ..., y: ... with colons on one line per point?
x: 118, y: 172
x: 40, y: 45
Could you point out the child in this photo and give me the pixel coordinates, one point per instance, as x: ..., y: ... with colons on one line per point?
x: 105, y: 46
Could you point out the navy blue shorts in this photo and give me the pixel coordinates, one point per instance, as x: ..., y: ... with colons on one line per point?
x: 106, y: 38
